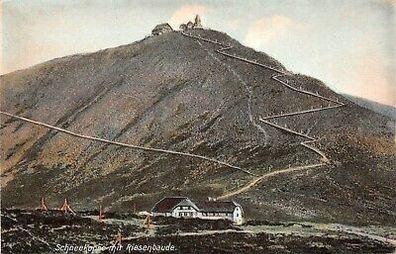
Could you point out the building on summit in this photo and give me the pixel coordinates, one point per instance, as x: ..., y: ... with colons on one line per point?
x: 166, y: 28
x: 190, y: 25
x: 183, y: 27
x: 161, y: 29
x: 197, y: 23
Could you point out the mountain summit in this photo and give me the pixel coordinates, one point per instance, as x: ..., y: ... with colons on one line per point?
x: 192, y: 113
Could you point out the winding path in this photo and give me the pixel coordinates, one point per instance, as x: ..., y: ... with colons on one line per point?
x: 307, y: 111
x: 268, y: 175
x: 150, y: 149
x: 266, y: 119
x: 276, y: 77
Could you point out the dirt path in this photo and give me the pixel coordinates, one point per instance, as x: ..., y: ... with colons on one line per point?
x: 249, y: 93
x: 300, y: 112
x: 265, y: 176
x: 304, y: 143
x: 313, y: 229
x: 251, y: 119
x: 354, y: 230
x: 150, y: 149
x: 276, y: 77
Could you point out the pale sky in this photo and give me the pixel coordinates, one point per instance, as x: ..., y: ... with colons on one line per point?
x: 348, y: 44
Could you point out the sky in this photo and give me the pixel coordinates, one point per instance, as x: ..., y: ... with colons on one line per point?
x: 348, y: 44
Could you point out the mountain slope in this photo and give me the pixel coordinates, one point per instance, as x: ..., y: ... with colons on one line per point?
x: 383, y: 109
x: 181, y: 93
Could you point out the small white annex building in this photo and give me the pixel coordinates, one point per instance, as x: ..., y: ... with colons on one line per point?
x: 183, y: 207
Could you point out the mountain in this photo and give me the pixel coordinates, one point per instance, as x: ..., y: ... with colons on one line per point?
x: 383, y: 109
x: 203, y: 94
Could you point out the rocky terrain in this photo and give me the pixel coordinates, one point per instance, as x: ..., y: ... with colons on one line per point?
x: 178, y: 93
x: 28, y: 231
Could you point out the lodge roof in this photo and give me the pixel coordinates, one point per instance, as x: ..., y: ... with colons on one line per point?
x: 167, y: 204
x: 217, y: 206
x: 163, y: 25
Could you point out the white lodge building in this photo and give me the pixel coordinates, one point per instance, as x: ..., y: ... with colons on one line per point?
x: 183, y: 207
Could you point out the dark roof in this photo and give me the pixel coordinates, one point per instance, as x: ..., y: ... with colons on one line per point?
x: 165, y: 205
x: 217, y: 206
x: 162, y: 26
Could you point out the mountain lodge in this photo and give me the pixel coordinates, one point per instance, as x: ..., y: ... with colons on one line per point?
x: 183, y: 207
x: 161, y: 29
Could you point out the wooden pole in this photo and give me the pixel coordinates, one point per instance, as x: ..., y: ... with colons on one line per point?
x: 66, y: 208
x: 101, y: 214
x: 147, y: 221
x: 43, y: 206
x: 118, y: 238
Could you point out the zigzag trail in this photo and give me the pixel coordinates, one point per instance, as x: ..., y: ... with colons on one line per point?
x: 276, y: 77
x: 251, y: 118
x: 150, y: 149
